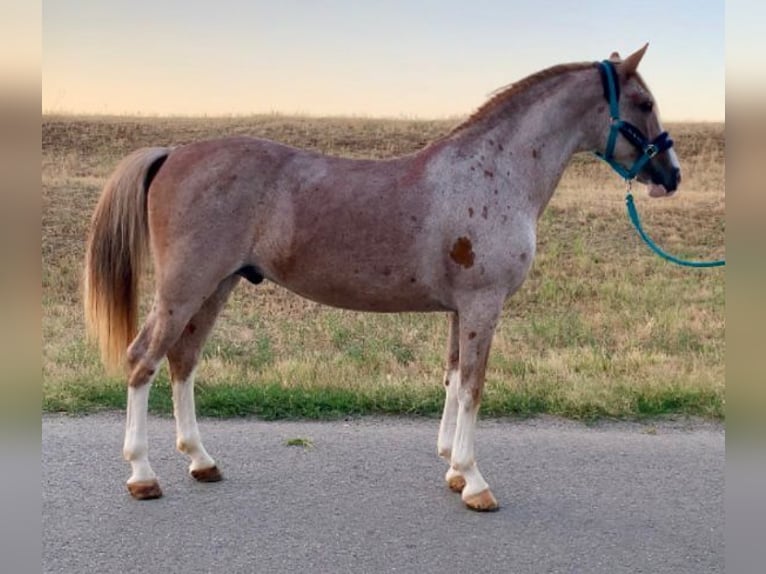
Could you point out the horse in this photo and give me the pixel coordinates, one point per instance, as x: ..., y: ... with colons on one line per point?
x: 450, y: 228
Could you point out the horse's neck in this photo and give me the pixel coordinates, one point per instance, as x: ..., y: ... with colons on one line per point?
x: 535, y: 138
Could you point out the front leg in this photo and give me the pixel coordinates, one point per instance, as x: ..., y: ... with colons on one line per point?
x: 477, y: 327
x: 451, y: 384
x: 454, y: 478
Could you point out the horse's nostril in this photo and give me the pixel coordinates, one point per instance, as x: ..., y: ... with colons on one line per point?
x: 677, y: 173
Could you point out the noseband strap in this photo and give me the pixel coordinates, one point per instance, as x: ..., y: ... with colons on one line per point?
x: 648, y: 149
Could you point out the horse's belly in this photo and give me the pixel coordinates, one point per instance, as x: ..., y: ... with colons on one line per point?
x: 386, y: 294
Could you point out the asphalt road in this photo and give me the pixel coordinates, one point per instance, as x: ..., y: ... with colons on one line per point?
x: 369, y: 497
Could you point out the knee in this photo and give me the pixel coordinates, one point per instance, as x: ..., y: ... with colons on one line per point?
x: 469, y: 396
x: 452, y: 381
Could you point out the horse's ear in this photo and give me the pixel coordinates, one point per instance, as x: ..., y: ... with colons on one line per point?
x: 629, y: 65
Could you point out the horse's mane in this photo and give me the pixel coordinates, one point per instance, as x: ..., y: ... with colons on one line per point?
x: 502, y: 95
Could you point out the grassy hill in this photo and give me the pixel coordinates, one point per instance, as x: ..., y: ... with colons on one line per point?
x: 602, y: 327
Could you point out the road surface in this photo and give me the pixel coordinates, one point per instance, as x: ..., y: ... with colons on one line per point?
x: 368, y: 496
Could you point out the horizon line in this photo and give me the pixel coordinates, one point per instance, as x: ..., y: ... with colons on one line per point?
x: 305, y: 115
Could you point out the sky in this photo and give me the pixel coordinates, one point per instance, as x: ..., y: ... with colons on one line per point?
x: 372, y: 58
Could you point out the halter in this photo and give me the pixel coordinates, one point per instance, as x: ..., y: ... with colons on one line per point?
x: 648, y: 150
x: 635, y: 136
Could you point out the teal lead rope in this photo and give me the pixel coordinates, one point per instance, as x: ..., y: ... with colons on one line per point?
x: 633, y: 215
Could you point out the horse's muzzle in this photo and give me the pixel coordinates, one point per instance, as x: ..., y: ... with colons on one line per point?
x: 677, y: 177
x: 673, y: 180
x: 662, y: 185
x: 661, y: 175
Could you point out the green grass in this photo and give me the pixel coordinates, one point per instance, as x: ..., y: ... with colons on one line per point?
x: 272, y: 401
x: 601, y: 328
x: 306, y: 443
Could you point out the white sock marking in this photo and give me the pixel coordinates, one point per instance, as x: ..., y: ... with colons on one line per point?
x: 463, y: 460
x: 188, y: 439
x: 449, y: 415
x: 136, y: 446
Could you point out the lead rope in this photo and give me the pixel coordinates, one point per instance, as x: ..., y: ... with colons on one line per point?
x: 633, y: 216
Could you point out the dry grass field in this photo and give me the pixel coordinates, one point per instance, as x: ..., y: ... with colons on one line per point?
x: 601, y: 328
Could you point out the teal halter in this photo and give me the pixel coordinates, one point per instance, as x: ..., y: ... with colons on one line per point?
x: 635, y: 136
x: 648, y: 150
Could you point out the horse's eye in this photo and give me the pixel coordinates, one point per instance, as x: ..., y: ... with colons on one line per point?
x: 646, y: 106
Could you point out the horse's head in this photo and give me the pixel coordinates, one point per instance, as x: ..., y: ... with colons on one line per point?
x: 635, y: 144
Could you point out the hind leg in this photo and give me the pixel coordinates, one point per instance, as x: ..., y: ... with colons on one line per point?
x: 178, y: 300
x: 146, y: 352
x: 183, y: 358
x: 142, y: 483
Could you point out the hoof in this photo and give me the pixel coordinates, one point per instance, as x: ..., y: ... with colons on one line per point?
x: 211, y: 474
x: 483, y: 501
x: 145, y: 490
x: 456, y: 484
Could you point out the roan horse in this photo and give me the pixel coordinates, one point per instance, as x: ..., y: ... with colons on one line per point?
x: 450, y: 228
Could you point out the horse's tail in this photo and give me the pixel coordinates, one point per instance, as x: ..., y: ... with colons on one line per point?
x: 118, y: 244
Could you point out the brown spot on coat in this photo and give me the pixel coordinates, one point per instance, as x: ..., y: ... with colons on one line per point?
x: 462, y: 252
x: 190, y: 328
x: 523, y: 256
x: 488, y: 173
x: 470, y: 212
x: 484, y: 212
x: 534, y: 153
x: 472, y: 335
